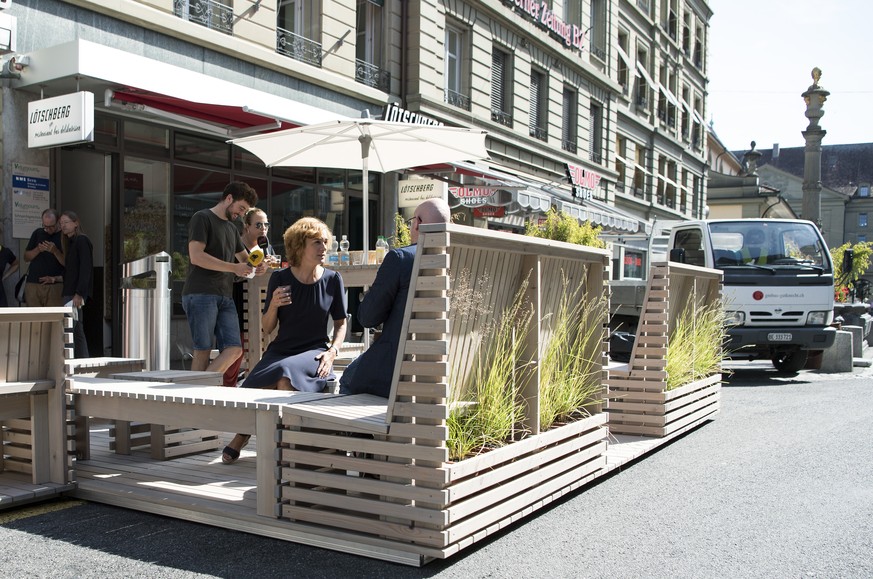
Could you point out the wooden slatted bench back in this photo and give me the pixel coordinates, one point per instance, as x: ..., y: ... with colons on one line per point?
x: 671, y: 289
x: 463, y: 280
x: 639, y: 402
x: 32, y: 401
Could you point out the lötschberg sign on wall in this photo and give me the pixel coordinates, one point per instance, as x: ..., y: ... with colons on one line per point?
x: 63, y: 120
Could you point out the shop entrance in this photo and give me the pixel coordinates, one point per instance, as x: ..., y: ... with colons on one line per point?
x: 84, y: 185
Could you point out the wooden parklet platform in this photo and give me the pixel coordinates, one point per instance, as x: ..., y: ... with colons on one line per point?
x: 199, y: 488
x: 374, y: 477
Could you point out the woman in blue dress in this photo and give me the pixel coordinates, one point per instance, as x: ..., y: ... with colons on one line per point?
x: 300, y: 300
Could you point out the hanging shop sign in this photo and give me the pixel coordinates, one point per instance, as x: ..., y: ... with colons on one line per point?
x: 585, y: 182
x: 392, y: 112
x: 63, y: 120
x: 488, y: 211
x: 573, y: 35
x: 474, y: 196
x: 413, y: 191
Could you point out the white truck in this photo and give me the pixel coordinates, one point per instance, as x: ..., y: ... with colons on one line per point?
x: 778, y: 284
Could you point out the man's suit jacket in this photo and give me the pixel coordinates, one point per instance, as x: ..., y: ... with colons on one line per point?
x: 384, y: 304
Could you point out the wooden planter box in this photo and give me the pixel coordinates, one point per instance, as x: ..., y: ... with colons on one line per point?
x: 653, y: 411
x: 376, y: 489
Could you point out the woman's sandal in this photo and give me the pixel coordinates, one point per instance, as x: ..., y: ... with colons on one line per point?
x: 230, y: 455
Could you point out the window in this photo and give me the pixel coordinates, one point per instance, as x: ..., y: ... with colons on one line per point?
x: 214, y: 14
x: 669, y: 17
x: 595, y: 132
x: 573, y: 12
x: 568, y: 120
x: 598, y: 28
x: 698, y: 48
x: 639, y: 172
x: 862, y: 220
x: 623, y: 70
x: 368, y: 46
x: 686, y: 35
x: 455, y: 72
x: 643, y: 79
x: 298, y: 30
x: 501, y: 87
x: 864, y: 191
x: 691, y: 241
x: 539, y: 105
x: 620, y: 168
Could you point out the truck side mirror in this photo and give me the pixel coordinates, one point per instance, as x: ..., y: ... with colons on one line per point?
x: 677, y: 254
x: 848, y: 261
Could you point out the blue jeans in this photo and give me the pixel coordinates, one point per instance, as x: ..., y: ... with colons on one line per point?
x: 212, y: 316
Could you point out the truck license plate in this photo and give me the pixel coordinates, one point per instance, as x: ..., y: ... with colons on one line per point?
x: 779, y: 337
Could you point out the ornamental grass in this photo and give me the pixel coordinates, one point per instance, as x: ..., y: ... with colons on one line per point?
x: 696, y: 344
x: 493, y: 411
x: 569, y: 369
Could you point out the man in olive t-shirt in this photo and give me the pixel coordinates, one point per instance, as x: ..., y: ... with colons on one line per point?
x: 217, y: 258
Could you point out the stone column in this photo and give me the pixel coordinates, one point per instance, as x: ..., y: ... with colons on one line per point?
x: 814, y: 97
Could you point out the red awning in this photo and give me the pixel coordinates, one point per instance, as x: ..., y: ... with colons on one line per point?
x: 225, y: 115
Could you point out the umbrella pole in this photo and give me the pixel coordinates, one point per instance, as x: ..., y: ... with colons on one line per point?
x: 365, y: 189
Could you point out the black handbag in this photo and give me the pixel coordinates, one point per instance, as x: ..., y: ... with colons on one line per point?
x: 19, y: 289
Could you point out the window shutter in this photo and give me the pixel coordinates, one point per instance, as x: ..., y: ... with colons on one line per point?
x: 498, y: 82
x: 534, y: 100
x: 568, y: 134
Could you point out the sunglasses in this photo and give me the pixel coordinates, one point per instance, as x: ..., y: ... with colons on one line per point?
x: 262, y: 225
x: 411, y: 220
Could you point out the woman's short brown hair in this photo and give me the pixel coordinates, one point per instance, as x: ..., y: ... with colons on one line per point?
x: 295, y: 237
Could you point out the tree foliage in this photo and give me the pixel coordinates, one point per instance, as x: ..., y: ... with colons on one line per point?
x: 847, y: 281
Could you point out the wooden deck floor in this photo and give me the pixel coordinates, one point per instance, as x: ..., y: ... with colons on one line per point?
x: 200, y: 488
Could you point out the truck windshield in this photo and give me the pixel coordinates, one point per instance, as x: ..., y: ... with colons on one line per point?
x: 768, y: 244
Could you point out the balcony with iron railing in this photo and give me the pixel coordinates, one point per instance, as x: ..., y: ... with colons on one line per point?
x: 643, y: 5
x: 569, y: 145
x: 596, y: 156
x: 298, y: 47
x: 599, y: 52
x: 372, y: 76
x: 208, y: 13
x: 457, y: 99
x: 540, y: 133
x: 501, y: 117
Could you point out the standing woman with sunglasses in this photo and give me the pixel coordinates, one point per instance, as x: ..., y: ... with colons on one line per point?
x: 254, y: 225
x: 78, y: 262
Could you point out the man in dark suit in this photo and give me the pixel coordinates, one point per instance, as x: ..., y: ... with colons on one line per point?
x: 385, y: 304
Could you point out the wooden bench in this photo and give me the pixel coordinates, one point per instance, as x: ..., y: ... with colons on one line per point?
x: 639, y: 402
x: 404, y: 492
x: 245, y: 410
x: 166, y: 441
x: 34, y: 460
x: 97, y: 367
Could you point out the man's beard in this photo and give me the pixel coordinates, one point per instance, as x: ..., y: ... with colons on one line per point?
x: 228, y: 214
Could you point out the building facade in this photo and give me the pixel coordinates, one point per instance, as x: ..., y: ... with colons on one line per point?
x: 595, y: 107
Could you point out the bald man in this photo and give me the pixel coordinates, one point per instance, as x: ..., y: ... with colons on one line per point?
x: 385, y: 304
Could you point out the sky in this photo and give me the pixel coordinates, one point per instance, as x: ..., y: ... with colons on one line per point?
x: 761, y: 54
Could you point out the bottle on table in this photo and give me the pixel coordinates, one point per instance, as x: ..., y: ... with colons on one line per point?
x: 344, y: 257
x: 333, y: 254
x: 381, y: 249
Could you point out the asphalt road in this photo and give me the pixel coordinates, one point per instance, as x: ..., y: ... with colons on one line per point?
x: 779, y: 485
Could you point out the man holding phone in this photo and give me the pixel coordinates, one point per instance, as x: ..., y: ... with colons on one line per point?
x: 45, y: 276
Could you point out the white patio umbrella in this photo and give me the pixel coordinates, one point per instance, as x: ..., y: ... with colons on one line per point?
x: 366, y: 143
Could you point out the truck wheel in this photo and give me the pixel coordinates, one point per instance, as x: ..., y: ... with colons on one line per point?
x: 790, y: 362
